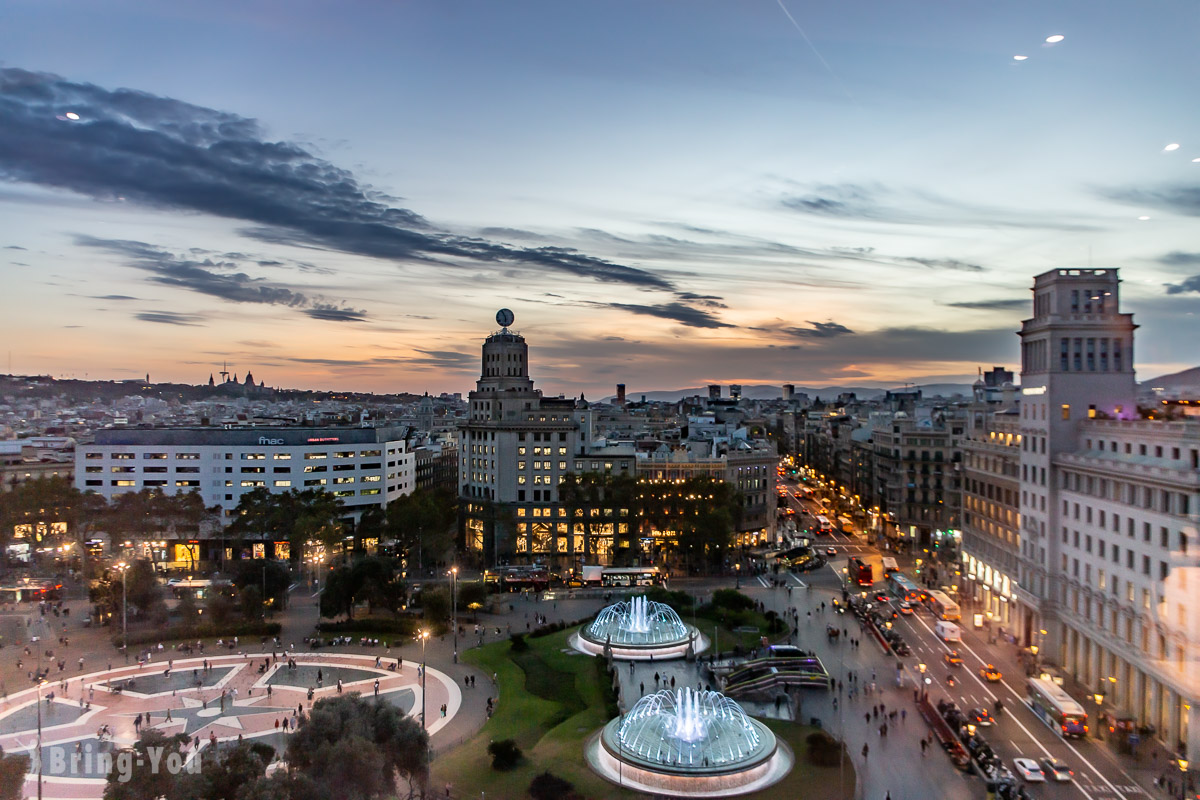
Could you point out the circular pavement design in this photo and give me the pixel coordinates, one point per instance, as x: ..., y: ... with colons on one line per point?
x: 249, y: 696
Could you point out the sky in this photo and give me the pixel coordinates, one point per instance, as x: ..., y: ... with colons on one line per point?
x: 666, y: 194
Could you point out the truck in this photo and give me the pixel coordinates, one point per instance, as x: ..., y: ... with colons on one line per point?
x: 591, y: 575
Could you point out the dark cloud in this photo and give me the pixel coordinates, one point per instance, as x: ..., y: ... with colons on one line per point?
x: 164, y: 153
x: 169, y: 318
x: 876, y: 203
x: 510, y: 233
x: 819, y: 330
x: 333, y: 313
x: 112, y: 297
x: 946, y: 263
x: 216, y: 279
x: 1191, y: 284
x: 706, y: 300
x: 1178, y: 258
x: 15, y: 247
x: 992, y: 305
x: 846, y: 200
x: 678, y: 312
x: 1177, y: 198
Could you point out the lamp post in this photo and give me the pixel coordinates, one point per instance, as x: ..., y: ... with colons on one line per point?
x: 924, y: 680
x: 738, y: 571
x: 454, y: 607
x: 1183, y: 768
x: 424, y: 638
x: 124, y: 567
x: 40, y: 681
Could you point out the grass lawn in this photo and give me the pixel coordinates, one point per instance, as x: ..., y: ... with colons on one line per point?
x: 551, y: 702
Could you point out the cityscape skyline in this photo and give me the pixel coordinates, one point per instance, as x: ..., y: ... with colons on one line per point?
x: 752, y: 194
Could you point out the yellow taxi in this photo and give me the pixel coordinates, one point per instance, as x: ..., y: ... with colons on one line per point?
x: 991, y: 674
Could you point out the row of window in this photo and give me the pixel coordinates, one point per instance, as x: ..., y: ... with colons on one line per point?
x: 1130, y: 494
x: 93, y: 455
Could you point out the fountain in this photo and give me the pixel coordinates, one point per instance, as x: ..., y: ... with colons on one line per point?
x: 639, y: 628
x: 688, y: 743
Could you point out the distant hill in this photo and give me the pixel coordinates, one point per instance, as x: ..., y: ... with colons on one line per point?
x: 1188, y: 379
x: 768, y: 392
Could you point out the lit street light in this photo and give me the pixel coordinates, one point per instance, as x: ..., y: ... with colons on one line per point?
x: 424, y: 638
x: 1183, y: 768
x: 454, y: 607
x: 124, y: 567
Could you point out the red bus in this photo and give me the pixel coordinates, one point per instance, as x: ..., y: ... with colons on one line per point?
x: 861, y: 572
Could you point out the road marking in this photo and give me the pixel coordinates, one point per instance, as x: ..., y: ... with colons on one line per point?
x: 1004, y: 683
x: 764, y: 583
x: 793, y: 576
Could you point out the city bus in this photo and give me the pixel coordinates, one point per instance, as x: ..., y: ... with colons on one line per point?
x: 517, y: 578
x: 889, y: 566
x: 861, y: 572
x: 942, y: 606
x: 1056, y: 708
x: 846, y: 525
x: 903, y: 588
x: 824, y: 526
x: 631, y: 576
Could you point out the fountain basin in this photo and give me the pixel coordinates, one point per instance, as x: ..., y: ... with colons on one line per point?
x: 639, y: 629
x: 688, y: 744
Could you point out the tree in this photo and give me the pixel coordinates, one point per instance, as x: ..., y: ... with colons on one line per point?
x: 13, y: 769
x: 187, y: 609
x: 41, y: 504
x: 550, y: 787
x: 140, y: 588
x: 149, y: 776
x: 224, y: 773
x: 219, y: 608
x: 352, y: 748
x: 421, y: 522
x: 371, y: 579
x: 135, y: 515
x: 257, y: 572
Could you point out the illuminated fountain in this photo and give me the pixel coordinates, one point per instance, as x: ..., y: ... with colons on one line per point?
x: 688, y: 743
x: 639, y: 628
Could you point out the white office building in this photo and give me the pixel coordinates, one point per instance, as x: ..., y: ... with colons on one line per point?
x: 1109, y: 557
x: 363, y: 466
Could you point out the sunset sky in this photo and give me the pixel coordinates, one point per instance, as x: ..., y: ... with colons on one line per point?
x: 340, y: 195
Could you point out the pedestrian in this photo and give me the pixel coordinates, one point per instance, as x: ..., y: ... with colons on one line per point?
x: 903, y: 715
x: 866, y: 749
x: 642, y: 688
x: 924, y: 747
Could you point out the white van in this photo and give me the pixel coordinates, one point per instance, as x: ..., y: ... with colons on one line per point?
x: 947, y: 631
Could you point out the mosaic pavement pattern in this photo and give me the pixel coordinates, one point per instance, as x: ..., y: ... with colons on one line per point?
x: 231, y: 700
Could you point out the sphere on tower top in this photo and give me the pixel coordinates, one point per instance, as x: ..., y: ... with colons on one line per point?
x: 504, y: 317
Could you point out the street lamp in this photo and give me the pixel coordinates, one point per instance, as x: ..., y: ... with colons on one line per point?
x: 424, y: 638
x: 738, y: 572
x: 124, y: 567
x: 1183, y: 768
x: 454, y: 607
x: 40, y: 683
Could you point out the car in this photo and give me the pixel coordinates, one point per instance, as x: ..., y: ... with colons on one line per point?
x: 905, y: 607
x: 1056, y: 769
x: 991, y: 674
x: 831, y: 551
x: 1029, y: 770
x: 953, y: 658
x: 980, y: 717
x: 882, y: 597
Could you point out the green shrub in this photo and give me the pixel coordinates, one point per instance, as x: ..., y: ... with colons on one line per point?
x: 682, y: 602
x: 505, y: 754
x: 519, y: 645
x: 202, y: 631
x: 550, y: 787
x: 401, y: 626
x: 607, y: 689
x: 823, y: 749
x: 732, y: 600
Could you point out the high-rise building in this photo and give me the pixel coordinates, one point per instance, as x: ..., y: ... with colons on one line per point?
x: 515, y: 448
x: 789, y: 391
x: 714, y: 391
x: 620, y: 394
x: 1108, y: 507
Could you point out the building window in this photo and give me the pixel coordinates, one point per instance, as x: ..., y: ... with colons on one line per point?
x: 124, y: 483
x: 344, y: 493
x: 1066, y: 411
x: 311, y: 456
x: 187, y: 483
x: 315, y: 482
x: 93, y: 456
x: 282, y: 456
x: 253, y: 483
x: 253, y: 456
x: 283, y: 483
x: 368, y: 491
x: 122, y: 456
